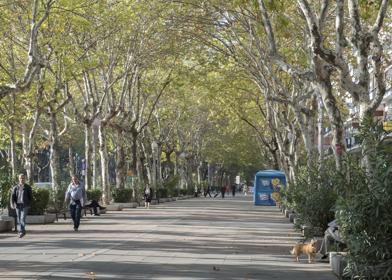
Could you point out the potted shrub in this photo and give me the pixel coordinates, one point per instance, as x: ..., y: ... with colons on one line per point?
x: 56, y: 199
x: 94, y: 194
x: 171, y: 186
x: 5, y: 190
x: 6, y: 223
x: 183, y: 192
x: 313, y: 199
x: 38, y: 207
x: 162, y: 193
x: 122, y: 198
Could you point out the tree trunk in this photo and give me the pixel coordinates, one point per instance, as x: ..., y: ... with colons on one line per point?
x: 159, y: 164
x: 176, y: 164
x: 27, y: 144
x: 104, y: 165
x: 139, y: 171
x: 324, y: 87
x: 120, y: 162
x: 199, y: 172
x: 12, y: 150
x: 94, y: 157
x: 209, y: 174
x: 87, y: 160
x: 307, y: 130
x: 320, y: 136
x: 147, y: 163
x: 336, y: 122
x: 154, y: 165
x: 134, y: 153
x: 71, y: 162
x: 54, y: 154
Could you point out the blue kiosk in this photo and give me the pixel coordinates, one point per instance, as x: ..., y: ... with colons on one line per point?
x: 267, y: 186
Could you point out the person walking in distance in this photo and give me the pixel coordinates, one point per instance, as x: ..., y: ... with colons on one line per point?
x: 76, y: 196
x: 21, y: 198
x: 208, y: 191
x: 223, y: 191
x: 245, y: 189
x: 147, y: 197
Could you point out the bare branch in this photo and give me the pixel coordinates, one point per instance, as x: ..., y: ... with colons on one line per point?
x: 355, y: 20
x: 323, y: 14
x: 162, y: 90
x: 380, y: 17
x: 34, y: 63
x: 268, y: 28
x: 339, y: 26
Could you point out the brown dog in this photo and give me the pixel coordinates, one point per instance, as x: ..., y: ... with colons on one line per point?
x: 307, y: 248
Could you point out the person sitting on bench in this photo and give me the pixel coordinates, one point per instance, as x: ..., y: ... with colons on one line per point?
x: 95, y: 205
x: 331, y: 235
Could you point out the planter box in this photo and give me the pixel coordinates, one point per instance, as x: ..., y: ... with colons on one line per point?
x: 41, y: 219
x: 305, y: 230
x: 287, y: 212
x: 114, y: 207
x: 126, y: 204
x: 154, y: 202
x: 337, y: 262
x: 297, y: 221
x: 292, y: 217
x: 6, y: 223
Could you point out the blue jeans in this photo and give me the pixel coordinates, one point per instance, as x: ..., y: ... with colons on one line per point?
x: 21, y: 213
x: 76, y: 209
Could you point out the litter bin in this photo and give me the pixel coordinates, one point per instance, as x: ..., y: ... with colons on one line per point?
x: 267, y: 186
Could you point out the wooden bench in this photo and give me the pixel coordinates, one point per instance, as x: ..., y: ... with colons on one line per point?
x: 62, y: 213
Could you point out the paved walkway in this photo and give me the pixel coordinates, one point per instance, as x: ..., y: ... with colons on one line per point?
x: 188, y: 239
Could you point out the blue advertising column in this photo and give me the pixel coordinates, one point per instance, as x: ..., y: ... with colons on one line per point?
x: 267, y: 186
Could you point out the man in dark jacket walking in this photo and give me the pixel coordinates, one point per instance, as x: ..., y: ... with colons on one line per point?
x: 21, y: 198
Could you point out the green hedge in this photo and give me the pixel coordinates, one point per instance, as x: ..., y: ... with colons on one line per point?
x: 5, y: 190
x: 364, y: 210
x: 56, y: 198
x: 313, y: 197
x: 122, y: 195
x: 162, y: 193
x: 171, y: 186
x: 95, y: 194
x: 183, y: 192
x: 40, y: 201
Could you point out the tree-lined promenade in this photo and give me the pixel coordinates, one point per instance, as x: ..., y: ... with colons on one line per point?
x: 187, y: 239
x: 178, y: 95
